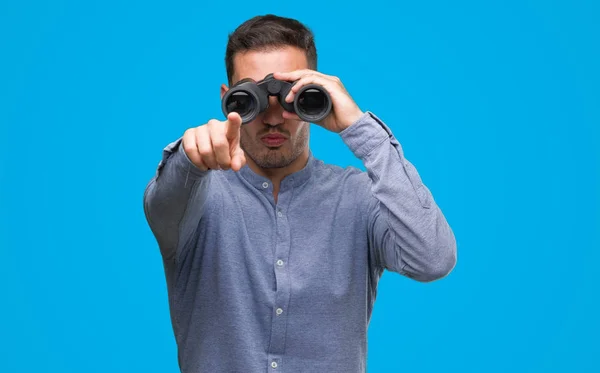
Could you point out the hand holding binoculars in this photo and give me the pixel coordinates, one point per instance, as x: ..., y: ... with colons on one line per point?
x: 312, y: 102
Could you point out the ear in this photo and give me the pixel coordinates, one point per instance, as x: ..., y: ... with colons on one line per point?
x: 224, y: 90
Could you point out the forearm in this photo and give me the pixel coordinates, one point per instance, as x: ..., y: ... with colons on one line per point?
x: 177, y: 184
x: 416, y: 239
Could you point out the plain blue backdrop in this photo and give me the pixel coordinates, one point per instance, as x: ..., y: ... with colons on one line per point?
x: 495, y: 102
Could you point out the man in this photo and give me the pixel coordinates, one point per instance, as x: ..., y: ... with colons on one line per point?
x: 272, y: 257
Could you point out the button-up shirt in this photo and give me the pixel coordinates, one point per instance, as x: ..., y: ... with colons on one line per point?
x: 288, y: 285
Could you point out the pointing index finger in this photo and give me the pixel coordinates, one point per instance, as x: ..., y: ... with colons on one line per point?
x: 234, y: 122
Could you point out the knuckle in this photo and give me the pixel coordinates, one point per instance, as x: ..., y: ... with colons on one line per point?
x: 189, y: 143
x: 188, y: 134
x: 204, y: 148
x: 202, y: 137
x: 219, y: 143
x: 189, y: 149
x: 209, y: 163
x: 205, y: 151
x: 213, y: 123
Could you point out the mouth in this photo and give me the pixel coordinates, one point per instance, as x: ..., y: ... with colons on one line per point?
x: 273, y: 140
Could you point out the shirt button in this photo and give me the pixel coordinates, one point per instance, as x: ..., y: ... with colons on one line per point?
x: 274, y: 365
x: 279, y: 311
x: 280, y: 262
x: 279, y: 213
x: 265, y: 185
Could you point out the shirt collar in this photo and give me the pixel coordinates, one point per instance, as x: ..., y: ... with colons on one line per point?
x: 290, y: 181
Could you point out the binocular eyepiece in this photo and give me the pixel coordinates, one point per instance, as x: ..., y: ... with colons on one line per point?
x: 312, y: 103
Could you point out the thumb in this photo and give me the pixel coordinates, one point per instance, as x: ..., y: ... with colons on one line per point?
x: 234, y: 122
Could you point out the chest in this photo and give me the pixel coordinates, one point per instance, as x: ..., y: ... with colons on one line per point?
x: 315, y: 243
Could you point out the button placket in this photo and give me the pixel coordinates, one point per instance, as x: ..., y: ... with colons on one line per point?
x: 282, y: 294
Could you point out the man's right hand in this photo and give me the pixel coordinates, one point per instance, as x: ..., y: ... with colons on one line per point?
x: 216, y: 144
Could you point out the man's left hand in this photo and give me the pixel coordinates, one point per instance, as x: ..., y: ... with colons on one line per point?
x: 344, y: 111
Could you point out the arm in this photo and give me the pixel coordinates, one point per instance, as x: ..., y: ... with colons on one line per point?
x: 407, y: 230
x: 174, y: 199
x: 177, y: 184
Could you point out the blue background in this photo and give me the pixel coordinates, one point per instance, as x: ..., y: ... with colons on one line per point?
x: 495, y: 103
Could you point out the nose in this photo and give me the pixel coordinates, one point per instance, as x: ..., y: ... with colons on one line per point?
x: 274, y: 113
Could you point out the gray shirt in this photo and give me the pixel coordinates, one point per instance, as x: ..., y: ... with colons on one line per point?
x: 256, y: 285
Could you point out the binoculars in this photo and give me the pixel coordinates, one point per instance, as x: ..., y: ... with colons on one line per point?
x: 312, y: 103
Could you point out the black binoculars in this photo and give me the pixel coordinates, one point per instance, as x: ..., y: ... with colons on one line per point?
x: 312, y: 103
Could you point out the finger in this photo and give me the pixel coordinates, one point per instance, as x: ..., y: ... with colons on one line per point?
x: 205, y: 149
x: 220, y: 144
x: 294, y: 75
x: 323, y: 80
x: 191, y: 148
x: 238, y: 159
x: 308, y: 79
x: 233, y: 125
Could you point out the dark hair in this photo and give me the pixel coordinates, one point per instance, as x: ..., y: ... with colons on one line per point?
x: 268, y: 32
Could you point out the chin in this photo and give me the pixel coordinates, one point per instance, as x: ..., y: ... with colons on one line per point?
x: 274, y: 158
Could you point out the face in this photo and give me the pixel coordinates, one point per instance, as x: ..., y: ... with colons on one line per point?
x: 256, y: 65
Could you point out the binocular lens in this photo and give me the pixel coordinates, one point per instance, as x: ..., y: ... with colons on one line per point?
x: 240, y: 102
x: 312, y: 102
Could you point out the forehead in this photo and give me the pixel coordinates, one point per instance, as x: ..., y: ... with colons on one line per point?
x: 257, y: 64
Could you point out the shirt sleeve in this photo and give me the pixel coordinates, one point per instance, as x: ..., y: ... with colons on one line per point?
x: 407, y: 230
x: 174, y: 199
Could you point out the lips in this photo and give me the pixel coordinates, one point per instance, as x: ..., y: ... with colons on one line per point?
x: 273, y: 136
x: 273, y: 139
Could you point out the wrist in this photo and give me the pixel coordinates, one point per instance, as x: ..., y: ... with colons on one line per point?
x: 350, y: 120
